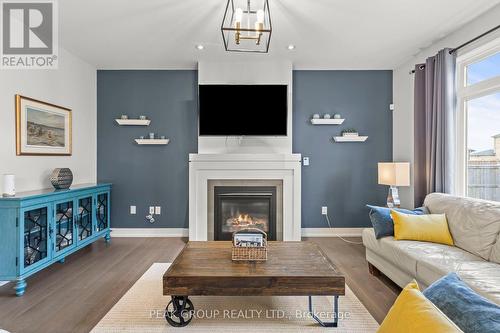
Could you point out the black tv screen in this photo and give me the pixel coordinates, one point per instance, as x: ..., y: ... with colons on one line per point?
x: 240, y: 110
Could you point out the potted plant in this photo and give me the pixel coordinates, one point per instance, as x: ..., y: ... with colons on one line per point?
x: 350, y: 132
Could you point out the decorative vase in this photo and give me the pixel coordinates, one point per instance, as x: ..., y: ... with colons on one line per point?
x: 315, y: 116
x: 336, y: 116
x: 9, y: 186
x: 327, y: 116
x: 61, y: 178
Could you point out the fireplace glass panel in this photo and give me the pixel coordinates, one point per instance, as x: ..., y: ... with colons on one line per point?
x: 243, y: 213
x: 238, y: 208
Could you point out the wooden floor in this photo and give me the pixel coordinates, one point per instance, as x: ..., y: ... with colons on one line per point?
x: 74, y: 296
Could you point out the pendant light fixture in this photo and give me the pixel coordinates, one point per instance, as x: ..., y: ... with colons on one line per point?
x: 246, y: 26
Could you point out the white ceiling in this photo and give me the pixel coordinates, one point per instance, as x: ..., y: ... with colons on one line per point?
x: 328, y: 34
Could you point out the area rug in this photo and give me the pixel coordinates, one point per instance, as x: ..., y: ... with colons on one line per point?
x: 141, y: 309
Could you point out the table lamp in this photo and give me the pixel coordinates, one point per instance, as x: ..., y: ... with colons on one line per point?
x: 394, y: 174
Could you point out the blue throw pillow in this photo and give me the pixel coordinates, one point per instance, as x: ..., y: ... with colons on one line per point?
x: 471, y: 312
x: 382, y: 220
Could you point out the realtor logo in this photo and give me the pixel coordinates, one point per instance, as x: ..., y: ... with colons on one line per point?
x: 29, y: 34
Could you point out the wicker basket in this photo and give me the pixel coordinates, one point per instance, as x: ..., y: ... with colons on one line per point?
x: 255, y: 253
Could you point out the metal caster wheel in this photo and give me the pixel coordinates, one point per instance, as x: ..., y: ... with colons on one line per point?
x: 179, y: 311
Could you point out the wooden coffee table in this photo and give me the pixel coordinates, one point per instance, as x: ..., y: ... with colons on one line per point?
x: 292, y: 269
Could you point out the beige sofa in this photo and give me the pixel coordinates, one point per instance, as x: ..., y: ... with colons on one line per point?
x: 475, y: 227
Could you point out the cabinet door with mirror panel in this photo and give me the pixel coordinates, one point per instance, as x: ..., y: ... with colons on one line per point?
x: 84, y: 218
x: 36, y: 232
x: 64, y: 229
x: 102, y: 211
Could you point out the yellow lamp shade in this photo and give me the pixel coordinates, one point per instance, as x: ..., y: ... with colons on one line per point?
x: 394, y: 174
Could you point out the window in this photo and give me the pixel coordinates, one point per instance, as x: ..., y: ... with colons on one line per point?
x: 479, y: 122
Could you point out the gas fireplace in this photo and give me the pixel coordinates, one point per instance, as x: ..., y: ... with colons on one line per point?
x: 242, y: 207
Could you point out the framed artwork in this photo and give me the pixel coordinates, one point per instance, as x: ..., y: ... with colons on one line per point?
x: 42, y: 128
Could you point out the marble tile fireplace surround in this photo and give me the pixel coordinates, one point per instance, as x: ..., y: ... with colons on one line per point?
x: 280, y: 172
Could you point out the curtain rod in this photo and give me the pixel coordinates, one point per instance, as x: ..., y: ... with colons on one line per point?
x: 474, y: 39
x: 466, y: 43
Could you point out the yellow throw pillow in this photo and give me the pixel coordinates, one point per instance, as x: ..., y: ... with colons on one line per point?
x: 413, y: 312
x: 427, y: 228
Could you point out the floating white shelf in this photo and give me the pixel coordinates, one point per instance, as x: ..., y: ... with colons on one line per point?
x: 327, y: 121
x: 152, y: 141
x: 350, y: 138
x: 133, y: 122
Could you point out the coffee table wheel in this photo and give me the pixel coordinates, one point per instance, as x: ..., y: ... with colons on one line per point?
x: 179, y: 311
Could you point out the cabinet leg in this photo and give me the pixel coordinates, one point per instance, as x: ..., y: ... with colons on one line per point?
x: 20, y: 287
x: 107, y: 237
x: 62, y: 261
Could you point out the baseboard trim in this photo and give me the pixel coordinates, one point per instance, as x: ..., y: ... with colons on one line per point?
x: 184, y: 232
x: 332, y: 232
x: 149, y: 232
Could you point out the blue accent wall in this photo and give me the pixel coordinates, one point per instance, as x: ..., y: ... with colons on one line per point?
x: 147, y: 175
x: 342, y: 176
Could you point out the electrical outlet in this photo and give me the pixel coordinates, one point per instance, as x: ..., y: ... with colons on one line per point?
x: 151, y: 209
x: 305, y: 161
x: 324, y: 210
x: 158, y: 210
x: 133, y: 209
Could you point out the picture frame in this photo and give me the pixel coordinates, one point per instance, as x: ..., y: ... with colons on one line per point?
x: 42, y: 128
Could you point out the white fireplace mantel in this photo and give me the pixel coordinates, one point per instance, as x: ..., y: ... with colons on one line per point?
x: 205, y: 167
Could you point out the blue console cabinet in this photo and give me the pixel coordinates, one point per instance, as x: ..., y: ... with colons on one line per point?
x: 38, y: 228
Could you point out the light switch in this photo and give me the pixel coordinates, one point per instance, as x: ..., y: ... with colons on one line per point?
x: 305, y: 161
x: 158, y: 210
x: 133, y: 209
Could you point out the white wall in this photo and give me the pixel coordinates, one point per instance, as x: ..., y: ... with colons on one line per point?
x: 73, y: 85
x: 247, y: 73
x: 403, y: 139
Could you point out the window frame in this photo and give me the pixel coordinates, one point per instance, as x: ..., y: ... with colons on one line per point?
x: 464, y: 95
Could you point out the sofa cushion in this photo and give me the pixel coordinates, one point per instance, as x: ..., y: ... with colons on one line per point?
x: 474, y: 224
x: 470, y: 311
x: 495, y: 252
x: 382, y: 221
x: 413, y: 312
x: 400, y: 253
x: 482, y: 276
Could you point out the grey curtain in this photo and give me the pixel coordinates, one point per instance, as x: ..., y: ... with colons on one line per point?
x: 434, y: 125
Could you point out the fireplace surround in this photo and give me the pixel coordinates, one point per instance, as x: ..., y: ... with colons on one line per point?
x: 282, y: 171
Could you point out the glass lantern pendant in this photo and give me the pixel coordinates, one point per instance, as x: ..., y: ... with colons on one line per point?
x: 246, y: 26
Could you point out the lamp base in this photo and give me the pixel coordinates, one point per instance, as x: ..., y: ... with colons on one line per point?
x: 393, y: 198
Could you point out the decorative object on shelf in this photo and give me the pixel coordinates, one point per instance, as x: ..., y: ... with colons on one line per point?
x: 350, y: 138
x: 151, y: 136
x: 321, y: 121
x: 9, y: 185
x: 141, y: 137
x: 327, y: 116
x: 246, y: 27
x: 61, y: 178
x: 152, y: 141
x: 42, y: 128
x: 249, y: 245
x: 394, y: 174
x: 349, y: 132
x: 163, y: 137
x: 142, y: 117
x: 124, y: 117
x: 43, y: 227
x: 336, y: 116
x: 315, y: 116
x: 133, y: 122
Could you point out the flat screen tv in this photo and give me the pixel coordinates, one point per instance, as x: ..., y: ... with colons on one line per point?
x: 242, y: 110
